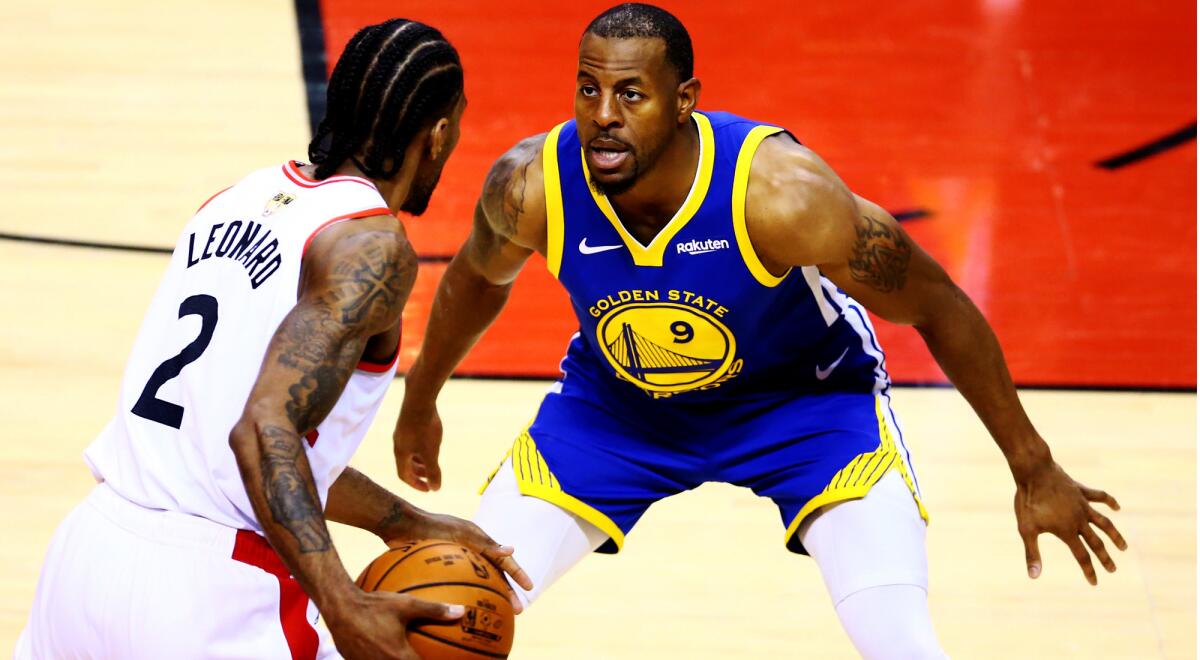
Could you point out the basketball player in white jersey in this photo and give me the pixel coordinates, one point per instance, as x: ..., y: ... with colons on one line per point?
x: 264, y: 356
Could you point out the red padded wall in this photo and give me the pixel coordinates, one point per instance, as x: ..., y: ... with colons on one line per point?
x: 989, y: 114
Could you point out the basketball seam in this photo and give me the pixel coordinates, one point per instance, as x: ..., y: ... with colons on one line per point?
x: 464, y: 647
x: 400, y: 560
x: 454, y: 584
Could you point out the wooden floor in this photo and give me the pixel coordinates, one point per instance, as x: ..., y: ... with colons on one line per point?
x: 705, y: 574
x: 114, y: 125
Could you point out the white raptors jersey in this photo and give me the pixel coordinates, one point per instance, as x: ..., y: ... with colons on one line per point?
x: 233, y: 277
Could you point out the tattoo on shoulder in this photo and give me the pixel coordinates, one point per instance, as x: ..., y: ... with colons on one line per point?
x: 506, y: 187
x: 880, y: 256
x: 293, y: 504
x: 370, y: 288
x: 372, y: 285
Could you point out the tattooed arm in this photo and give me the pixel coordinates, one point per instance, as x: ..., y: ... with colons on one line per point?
x: 799, y: 213
x: 510, y: 224
x: 356, y: 279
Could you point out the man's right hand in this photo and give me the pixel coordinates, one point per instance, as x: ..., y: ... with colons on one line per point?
x: 416, y: 442
x: 372, y: 624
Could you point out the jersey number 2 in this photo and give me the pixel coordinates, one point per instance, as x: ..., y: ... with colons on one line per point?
x: 148, y: 405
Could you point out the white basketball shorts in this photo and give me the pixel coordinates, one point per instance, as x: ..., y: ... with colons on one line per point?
x: 123, y: 581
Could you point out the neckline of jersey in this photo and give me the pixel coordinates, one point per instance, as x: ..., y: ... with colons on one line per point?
x: 652, y: 254
x: 292, y: 170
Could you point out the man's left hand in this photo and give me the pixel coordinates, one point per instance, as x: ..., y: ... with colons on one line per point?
x: 1049, y: 500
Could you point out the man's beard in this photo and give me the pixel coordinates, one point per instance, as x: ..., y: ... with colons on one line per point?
x: 617, y: 187
x: 420, y: 194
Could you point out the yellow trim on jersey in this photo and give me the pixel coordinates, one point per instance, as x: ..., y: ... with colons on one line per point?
x: 535, y: 479
x: 554, y: 204
x: 741, y: 180
x: 855, y: 480
x: 652, y: 254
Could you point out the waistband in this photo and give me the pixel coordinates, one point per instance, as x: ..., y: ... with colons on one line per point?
x: 186, y: 531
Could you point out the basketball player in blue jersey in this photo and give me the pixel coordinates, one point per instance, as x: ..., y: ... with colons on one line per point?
x: 719, y: 270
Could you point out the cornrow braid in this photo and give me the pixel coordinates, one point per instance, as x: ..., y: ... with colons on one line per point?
x: 390, y: 81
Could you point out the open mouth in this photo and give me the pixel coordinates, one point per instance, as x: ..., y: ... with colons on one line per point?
x: 607, y: 154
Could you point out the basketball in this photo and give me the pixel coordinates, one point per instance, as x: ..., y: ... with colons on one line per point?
x: 447, y: 572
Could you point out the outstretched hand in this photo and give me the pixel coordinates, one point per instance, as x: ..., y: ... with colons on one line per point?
x: 1049, y: 500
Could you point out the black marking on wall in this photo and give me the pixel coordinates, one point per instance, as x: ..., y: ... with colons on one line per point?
x: 1152, y: 148
x: 910, y: 214
x: 312, y: 58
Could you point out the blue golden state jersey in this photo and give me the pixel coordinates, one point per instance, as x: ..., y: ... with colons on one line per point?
x: 694, y: 314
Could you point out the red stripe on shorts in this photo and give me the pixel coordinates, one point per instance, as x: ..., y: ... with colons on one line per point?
x: 250, y: 548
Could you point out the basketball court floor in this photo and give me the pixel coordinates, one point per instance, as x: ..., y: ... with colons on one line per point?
x: 116, y: 122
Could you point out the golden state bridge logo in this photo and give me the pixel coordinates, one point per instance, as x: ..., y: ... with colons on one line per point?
x: 666, y: 347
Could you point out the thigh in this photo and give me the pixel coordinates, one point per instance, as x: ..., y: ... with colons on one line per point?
x: 587, y: 457
x: 547, y: 540
x: 873, y: 541
x: 813, y: 451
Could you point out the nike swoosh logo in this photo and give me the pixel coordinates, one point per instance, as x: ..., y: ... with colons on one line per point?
x: 593, y: 249
x: 822, y: 374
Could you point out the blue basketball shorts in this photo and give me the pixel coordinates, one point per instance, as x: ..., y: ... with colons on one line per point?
x: 608, y: 458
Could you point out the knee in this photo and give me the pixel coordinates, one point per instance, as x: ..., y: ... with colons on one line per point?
x: 914, y: 645
x: 890, y: 623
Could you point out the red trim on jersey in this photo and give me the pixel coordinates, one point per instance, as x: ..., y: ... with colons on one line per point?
x: 250, y: 548
x: 349, y: 216
x: 312, y: 436
x: 292, y: 171
x: 212, y: 198
x: 377, y: 368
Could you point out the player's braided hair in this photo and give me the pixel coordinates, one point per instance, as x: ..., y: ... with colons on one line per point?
x: 634, y: 19
x: 392, y: 80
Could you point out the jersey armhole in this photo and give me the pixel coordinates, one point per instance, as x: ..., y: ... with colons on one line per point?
x: 741, y: 181
x: 379, y: 210
x: 554, y: 204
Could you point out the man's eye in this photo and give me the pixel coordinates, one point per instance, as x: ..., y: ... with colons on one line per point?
x: 630, y: 95
x: 588, y: 90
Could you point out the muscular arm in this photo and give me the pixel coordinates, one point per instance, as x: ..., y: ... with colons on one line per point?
x: 799, y: 213
x: 509, y: 225
x: 357, y: 277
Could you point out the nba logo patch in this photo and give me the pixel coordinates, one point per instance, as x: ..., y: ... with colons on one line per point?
x: 280, y: 200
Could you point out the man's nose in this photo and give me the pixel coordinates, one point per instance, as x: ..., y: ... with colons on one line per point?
x: 608, y: 112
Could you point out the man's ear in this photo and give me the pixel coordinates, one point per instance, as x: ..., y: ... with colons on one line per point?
x: 439, y: 137
x: 689, y: 95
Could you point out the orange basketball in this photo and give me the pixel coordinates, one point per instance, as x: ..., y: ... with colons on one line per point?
x: 447, y: 572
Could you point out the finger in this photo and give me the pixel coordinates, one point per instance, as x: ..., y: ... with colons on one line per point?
x: 1098, y: 519
x: 404, y: 469
x: 433, y: 473
x: 1095, y: 495
x: 502, y: 556
x: 1082, y: 556
x: 1033, y: 558
x: 415, y: 474
x: 1097, y: 545
x: 419, y: 608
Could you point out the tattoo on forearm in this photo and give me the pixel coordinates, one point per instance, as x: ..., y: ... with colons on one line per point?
x: 880, y: 256
x: 393, y: 516
x: 293, y: 502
